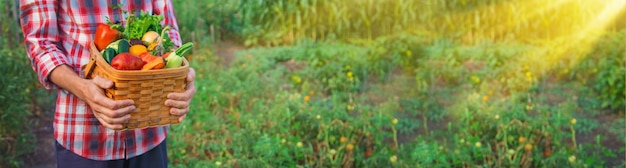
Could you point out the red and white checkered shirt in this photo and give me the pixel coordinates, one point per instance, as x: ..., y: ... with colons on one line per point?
x: 59, y: 32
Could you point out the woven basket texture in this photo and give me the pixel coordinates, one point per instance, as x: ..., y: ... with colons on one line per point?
x: 147, y: 88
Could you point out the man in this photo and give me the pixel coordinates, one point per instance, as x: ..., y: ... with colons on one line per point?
x: 57, y: 34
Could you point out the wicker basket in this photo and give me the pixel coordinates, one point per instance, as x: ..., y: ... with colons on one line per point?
x: 147, y: 88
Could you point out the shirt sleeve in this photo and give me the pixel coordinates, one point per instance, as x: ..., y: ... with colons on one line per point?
x: 166, y: 8
x: 41, y: 37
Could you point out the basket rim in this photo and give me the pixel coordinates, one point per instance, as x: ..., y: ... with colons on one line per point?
x: 136, y: 74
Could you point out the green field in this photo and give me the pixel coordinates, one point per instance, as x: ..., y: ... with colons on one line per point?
x: 391, y: 83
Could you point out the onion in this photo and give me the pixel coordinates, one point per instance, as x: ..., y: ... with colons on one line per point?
x: 149, y: 37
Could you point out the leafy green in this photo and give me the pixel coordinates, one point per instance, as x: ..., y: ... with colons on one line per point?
x: 136, y: 26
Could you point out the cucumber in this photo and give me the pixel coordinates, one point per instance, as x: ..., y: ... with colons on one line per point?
x: 123, y: 46
x: 120, y: 46
x: 108, y: 54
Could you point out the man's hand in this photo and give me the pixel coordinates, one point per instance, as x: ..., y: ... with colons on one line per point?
x: 111, y: 114
x: 179, y: 102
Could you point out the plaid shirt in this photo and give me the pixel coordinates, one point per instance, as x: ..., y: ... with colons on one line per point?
x: 58, y: 32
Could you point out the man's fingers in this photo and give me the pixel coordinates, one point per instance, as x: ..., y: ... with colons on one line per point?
x: 119, y: 104
x: 103, y: 100
x: 120, y: 120
x: 102, y: 82
x: 179, y: 96
x: 184, y: 96
x: 121, y: 112
x: 112, y: 104
x: 177, y: 104
x: 113, y: 127
x: 109, y: 103
x: 191, y: 75
x: 104, y: 123
x: 111, y: 113
x: 178, y: 107
x: 177, y: 111
x: 182, y: 118
x: 114, y: 120
x: 190, y: 88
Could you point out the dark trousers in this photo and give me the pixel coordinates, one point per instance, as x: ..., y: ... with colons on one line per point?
x: 154, y: 158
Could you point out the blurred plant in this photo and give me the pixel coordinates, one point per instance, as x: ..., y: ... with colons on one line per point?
x: 18, y: 92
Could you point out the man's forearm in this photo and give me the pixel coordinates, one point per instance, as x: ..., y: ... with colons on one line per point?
x: 64, y: 77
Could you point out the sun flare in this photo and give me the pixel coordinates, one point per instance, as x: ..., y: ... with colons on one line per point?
x: 572, y: 32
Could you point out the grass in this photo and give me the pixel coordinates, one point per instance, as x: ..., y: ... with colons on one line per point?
x: 416, y: 102
x: 492, y: 83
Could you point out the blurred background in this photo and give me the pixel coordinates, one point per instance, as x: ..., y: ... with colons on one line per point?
x: 373, y: 83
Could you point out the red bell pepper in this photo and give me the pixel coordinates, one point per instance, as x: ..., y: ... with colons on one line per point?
x: 127, y: 61
x: 105, y: 35
x: 147, y: 57
x: 167, y: 54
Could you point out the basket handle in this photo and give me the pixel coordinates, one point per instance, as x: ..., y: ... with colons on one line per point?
x: 89, y: 67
